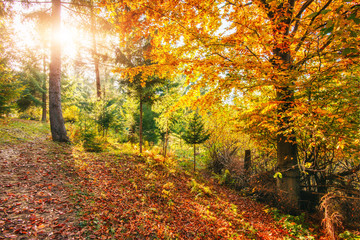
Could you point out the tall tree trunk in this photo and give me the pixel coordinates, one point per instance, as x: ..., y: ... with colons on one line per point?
x: 94, y: 50
x: 57, y: 125
x: 289, y: 184
x: 194, y: 157
x: 247, y: 161
x: 43, y: 118
x: 104, y: 83
x: 141, y: 124
x: 165, y: 140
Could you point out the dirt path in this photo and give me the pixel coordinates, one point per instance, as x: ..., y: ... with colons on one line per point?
x: 116, y: 198
x: 54, y: 191
x: 33, y: 200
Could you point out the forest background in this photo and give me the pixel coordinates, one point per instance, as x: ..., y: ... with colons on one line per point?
x: 278, y: 80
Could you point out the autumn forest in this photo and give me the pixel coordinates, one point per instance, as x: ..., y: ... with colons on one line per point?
x: 180, y: 119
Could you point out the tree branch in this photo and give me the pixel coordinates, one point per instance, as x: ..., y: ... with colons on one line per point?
x: 298, y: 16
x: 344, y: 173
x: 311, y: 22
x: 121, y: 58
x: 321, y: 49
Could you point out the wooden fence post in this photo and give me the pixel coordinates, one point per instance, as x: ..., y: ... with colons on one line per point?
x: 247, y: 161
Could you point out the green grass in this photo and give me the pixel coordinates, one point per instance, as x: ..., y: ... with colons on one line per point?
x: 296, y: 225
x: 18, y: 130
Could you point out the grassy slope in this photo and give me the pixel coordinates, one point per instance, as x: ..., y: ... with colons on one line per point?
x: 15, y: 131
x: 124, y: 196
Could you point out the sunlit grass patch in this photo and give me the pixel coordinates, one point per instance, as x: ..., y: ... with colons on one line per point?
x: 14, y: 130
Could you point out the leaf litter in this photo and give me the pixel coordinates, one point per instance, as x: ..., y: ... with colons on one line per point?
x: 57, y: 191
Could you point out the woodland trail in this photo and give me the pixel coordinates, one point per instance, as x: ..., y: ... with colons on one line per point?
x: 34, y: 203
x: 59, y: 191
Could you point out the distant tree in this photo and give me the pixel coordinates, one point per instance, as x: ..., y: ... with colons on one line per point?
x: 42, y: 21
x: 141, y: 87
x: 94, y: 49
x: 9, y: 89
x: 90, y: 21
x: 106, y: 113
x: 195, y: 133
x: 144, y: 92
x: 150, y: 131
x: 32, y: 80
x: 168, y: 94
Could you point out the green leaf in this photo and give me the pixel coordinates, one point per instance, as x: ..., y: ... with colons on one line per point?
x: 356, y: 20
x: 327, y: 30
x: 312, y: 15
x: 325, y: 11
x: 346, y: 51
x: 352, y: 16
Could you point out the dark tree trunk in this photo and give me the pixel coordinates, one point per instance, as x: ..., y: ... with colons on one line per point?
x: 289, y: 184
x: 43, y: 117
x: 247, y: 161
x: 166, y: 139
x: 141, y: 122
x: 57, y: 125
x: 194, y: 157
x: 94, y: 51
x: 163, y: 145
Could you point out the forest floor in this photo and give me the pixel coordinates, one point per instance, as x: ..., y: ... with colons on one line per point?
x: 59, y: 191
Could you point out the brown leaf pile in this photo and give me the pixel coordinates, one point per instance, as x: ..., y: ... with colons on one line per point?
x: 51, y: 191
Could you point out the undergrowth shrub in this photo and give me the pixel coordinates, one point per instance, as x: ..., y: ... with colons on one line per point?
x: 339, y: 211
x: 349, y: 235
x: 221, y: 156
x: 234, y: 181
x: 88, y: 138
x: 296, y: 225
x: 71, y: 114
x: 223, y: 160
x: 155, y: 159
x: 200, y: 189
x: 33, y: 113
x: 263, y: 187
x: 92, y: 142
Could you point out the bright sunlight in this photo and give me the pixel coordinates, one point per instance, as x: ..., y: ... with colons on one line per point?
x: 190, y: 119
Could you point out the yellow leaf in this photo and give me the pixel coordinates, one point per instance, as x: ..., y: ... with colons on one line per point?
x: 41, y: 226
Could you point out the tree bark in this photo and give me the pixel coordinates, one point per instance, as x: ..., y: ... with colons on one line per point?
x: 43, y: 117
x: 166, y: 140
x: 247, y: 161
x: 57, y: 124
x: 289, y: 184
x: 94, y: 50
x: 166, y: 137
x: 194, y: 157
x: 141, y: 122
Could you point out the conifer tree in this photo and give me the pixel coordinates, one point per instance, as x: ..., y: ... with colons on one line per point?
x: 195, y: 133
